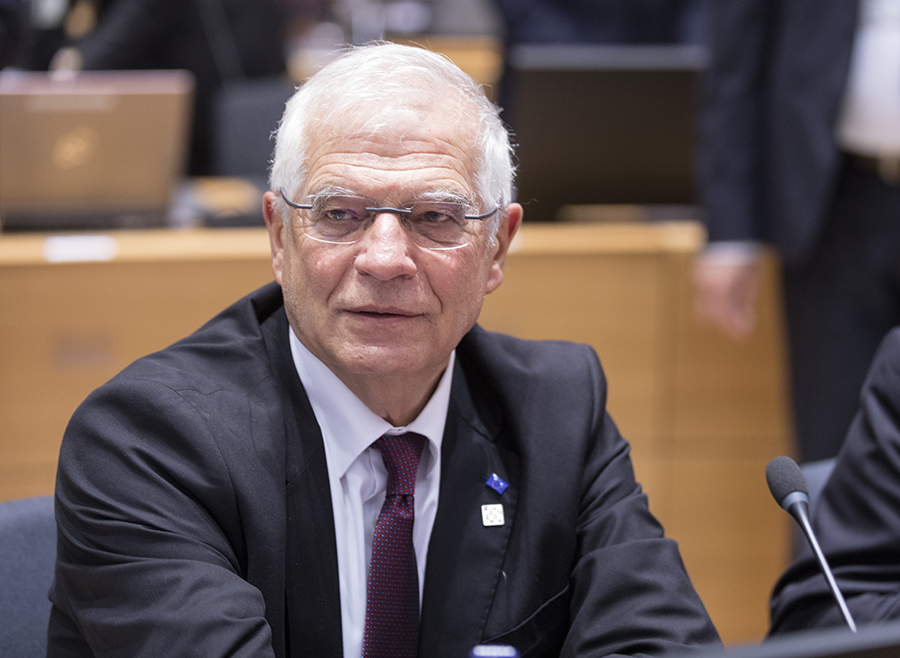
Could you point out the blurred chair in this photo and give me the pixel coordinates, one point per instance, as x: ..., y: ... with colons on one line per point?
x: 27, y: 554
x: 246, y: 114
x: 817, y: 474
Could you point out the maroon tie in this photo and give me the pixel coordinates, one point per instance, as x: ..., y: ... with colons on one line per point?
x: 392, y: 598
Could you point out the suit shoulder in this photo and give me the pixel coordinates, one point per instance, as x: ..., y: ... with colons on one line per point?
x: 481, y: 340
x: 506, y: 358
x: 884, y: 371
x: 226, y: 351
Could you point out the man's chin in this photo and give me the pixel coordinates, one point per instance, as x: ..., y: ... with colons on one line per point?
x: 383, y: 360
x: 387, y: 361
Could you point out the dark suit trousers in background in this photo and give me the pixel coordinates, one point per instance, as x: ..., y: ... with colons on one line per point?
x: 842, y: 302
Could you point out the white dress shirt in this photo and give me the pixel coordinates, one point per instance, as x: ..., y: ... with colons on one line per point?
x: 358, y: 478
x: 869, y: 123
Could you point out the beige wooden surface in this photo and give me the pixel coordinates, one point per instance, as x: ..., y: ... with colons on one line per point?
x: 704, y: 414
x: 65, y: 328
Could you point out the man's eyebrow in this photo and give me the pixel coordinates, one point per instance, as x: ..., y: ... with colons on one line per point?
x: 444, y: 196
x: 333, y: 190
x: 431, y: 196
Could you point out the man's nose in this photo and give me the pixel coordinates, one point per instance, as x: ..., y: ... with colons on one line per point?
x: 386, y: 248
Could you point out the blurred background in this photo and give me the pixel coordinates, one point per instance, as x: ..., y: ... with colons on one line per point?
x: 134, y: 146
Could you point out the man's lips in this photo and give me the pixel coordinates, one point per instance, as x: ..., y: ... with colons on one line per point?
x: 382, y: 312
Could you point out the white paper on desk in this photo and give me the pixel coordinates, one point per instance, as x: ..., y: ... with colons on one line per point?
x: 79, y: 248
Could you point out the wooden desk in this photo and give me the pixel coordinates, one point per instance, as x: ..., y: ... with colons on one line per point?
x: 67, y: 327
x: 704, y: 414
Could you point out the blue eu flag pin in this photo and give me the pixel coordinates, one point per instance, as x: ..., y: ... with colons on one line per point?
x: 496, y: 483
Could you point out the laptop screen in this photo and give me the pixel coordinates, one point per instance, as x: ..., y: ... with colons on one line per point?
x: 603, y: 125
x: 95, y: 150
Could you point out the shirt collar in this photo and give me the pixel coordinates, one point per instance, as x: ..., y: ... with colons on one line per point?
x: 348, y: 426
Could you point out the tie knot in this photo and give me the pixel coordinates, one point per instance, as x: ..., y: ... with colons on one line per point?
x: 401, y: 459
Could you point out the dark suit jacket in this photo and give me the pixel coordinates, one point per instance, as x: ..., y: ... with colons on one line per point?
x: 768, y: 159
x: 12, y: 26
x: 857, y: 518
x: 195, y: 517
x: 595, y: 21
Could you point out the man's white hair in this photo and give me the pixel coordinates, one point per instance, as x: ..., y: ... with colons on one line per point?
x: 355, y: 85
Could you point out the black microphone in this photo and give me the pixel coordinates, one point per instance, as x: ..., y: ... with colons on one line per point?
x: 788, y: 486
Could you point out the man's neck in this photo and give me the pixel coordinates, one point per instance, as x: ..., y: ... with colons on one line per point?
x: 397, y: 399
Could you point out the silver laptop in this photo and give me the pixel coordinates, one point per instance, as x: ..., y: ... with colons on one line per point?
x: 96, y: 150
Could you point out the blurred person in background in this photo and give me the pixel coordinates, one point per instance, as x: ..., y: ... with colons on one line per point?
x: 800, y: 149
x: 12, y: 26
x: 219, y: 41
x: 601, y: 21
x: 595, y: 22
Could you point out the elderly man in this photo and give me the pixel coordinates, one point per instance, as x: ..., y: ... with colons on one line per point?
x: 342, y: 464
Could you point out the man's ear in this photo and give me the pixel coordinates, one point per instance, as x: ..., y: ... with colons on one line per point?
x: 512, y: 219
x: 275, y: 225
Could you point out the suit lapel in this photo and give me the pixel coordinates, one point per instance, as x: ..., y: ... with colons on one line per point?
x: 465, y: 557
x: 312, y: 590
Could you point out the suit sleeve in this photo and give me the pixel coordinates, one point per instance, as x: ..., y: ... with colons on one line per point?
x: 857, y: 518
x: 729, y: 117
x: 151, y: 553
x: 630, y: 590
x: 589, y: 571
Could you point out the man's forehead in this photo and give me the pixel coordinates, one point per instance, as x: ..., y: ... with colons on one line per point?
x: 408, y: 139
x: 402, y: 126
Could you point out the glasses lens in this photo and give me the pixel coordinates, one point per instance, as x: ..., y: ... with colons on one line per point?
x: 337, y: 219
x: 438, y: 224
x: 344, y: 219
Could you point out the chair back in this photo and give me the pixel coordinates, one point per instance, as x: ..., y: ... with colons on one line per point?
x: 816, y: 475
x: 27, y: 554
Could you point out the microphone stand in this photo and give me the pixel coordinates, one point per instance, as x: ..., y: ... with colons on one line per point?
x: 797, y: 504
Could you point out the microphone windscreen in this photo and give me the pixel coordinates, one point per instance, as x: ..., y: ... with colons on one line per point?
x: 785, y: 477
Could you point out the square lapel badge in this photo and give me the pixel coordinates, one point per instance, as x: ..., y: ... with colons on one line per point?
x: 492, y: 515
